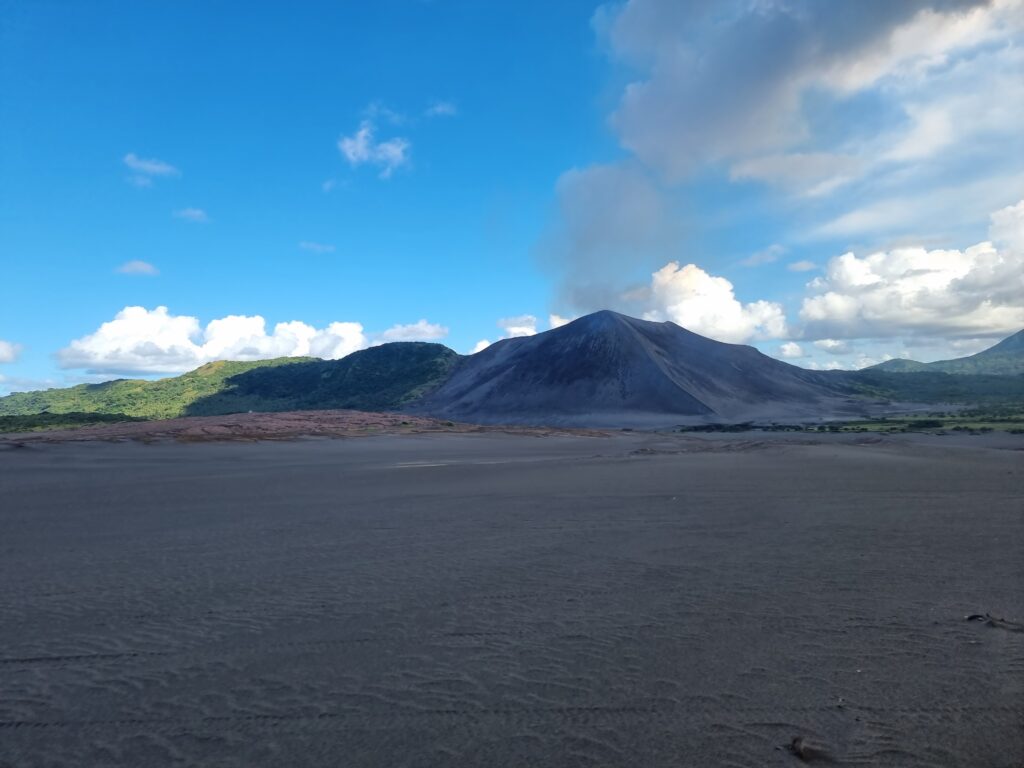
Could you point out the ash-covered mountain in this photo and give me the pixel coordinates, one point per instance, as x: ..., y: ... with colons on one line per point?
x: 610, y: 369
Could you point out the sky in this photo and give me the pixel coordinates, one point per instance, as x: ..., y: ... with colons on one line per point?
x: 834, y: 183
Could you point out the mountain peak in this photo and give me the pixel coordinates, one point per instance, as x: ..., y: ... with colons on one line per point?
x: 1006, y: 358
x: 1013, y: 344
x: 607, y: 368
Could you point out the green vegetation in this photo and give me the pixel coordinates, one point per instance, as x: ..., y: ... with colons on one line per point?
x: 379, y: 378
x: 974, y: 421
x: 933, y: 387
x: 996, y: 365
x: 162, y: 399
x: 901, y: 365
x: 39, y: 421
x: 1004, y: 359
x: 376, y: 379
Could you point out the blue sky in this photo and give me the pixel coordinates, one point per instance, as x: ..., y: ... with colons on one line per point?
x: 833, y: 184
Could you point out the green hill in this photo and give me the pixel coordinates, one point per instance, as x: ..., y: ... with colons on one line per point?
x: 933, y: 386
x: 161, y: 399
x: 375, y: 379
x: 900, y: 365
x: 379, y: 378
x: 1004, y: 359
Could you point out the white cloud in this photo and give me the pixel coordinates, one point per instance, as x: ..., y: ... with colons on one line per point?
x: 480, y: 346
x: 418, y: 331
x: 932, y: 130
x: 913, y: 291
x: 378, y: 110
x: 831, y: 365
x: 441, y: 109
x: 138, y: 267
x: 9, y: 351
x: 928, y: 211
x: 1007, y: 227
x: 833, y: 346
x: 707, y: 305
x: 738, y: 81
x: 520, y: 325
x: 146, y: 167
x: 806, y: 173
x: 557, y: 321
x: 192, y: 214
x: 139, y: 340
x: 791, y: 350
x: 848, y: 362
x: 801, y: 266
x: 308, y: 245
x: 765, y: 256
x: 361, y: 148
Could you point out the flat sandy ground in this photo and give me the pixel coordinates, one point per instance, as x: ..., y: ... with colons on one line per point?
x: 513, y: 600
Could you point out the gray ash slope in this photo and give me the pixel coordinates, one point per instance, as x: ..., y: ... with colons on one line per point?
x: 608, y: 369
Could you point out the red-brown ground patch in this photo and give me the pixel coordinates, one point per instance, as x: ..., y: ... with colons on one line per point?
x: 273, y: 426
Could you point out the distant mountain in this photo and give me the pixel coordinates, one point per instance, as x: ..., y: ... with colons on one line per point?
x: 900, y: 365
x: 161, y: 399
x: 604, y: 369
x: 1004, y: 359
x: 609, y: 369
x: 379, y: 378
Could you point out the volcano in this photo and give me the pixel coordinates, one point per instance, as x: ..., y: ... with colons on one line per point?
x: 607, y: 369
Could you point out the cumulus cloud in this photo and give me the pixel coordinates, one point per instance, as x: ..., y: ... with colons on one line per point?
x: 418, y: 331
x: 362, y: 148
x: 9, y: 351
x: 1007, y: 227
x: 801, y: 266
x: 791, y: 350
x: 833, y: 346
x: 520, y: 325
x: 308, y: 245
x: 138, y: 267
x: 706, y: 304
x: 139, y: 340
x: 516, y: 327
x: 914, y: 291
x: 192, y: 214
x: 557, y: 321
x: 848, y: 363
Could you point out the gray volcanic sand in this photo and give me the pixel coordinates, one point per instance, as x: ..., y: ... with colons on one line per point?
x: 500, y: 600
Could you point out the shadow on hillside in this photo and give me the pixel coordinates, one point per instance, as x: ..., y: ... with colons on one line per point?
x: 376, y: 379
